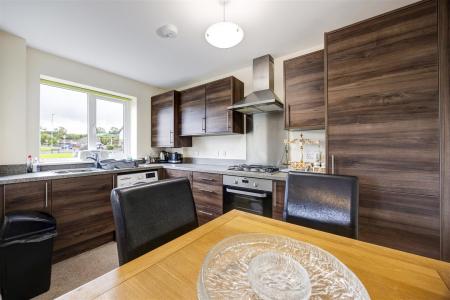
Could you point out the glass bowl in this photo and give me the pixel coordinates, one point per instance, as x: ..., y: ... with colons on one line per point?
x: 231, y: 270
x: 273, y: 275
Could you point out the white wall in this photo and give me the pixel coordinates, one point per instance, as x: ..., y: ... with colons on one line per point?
x: 42, y: 63
x: 12, y: 99
x: 234, y: 146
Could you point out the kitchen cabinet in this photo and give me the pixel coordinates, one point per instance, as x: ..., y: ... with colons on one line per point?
x: 165, y: 125
x: 278, y: 192
x: 208, y: 196
x: 221, y: 94
x: 171, y: 173
x: 383, y: 124
x: 304, y: 92
x: 192, y: 110
x: 27, y: 196
x: 204, y: 108
x: 83, y: 212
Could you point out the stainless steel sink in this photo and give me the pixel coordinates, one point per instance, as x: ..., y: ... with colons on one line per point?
x: 75, y: 171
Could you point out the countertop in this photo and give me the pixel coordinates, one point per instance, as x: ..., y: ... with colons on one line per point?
x: 221, y: 169
x: 217, y: 169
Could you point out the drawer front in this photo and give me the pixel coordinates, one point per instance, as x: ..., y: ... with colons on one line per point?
x: 170, y: 173
x: 208, y: 178
x: 208, y: 191
x: 206, y: 214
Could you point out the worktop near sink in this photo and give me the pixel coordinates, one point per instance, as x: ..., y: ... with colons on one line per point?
x: 215, y: 169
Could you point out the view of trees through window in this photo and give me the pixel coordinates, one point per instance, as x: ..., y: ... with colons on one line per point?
x: 65, y: 119
x: 109, y: 125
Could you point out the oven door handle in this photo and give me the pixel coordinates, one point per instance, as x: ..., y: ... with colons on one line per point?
x: 258, y: 195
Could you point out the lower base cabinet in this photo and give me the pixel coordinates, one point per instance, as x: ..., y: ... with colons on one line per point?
x: 27, y: 196
x: 83, y: 213
x: 278, y: 192
x: 207, y: 192
x: 207, y: 189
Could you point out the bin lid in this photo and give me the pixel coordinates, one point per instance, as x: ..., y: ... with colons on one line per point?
x: 18, y: 225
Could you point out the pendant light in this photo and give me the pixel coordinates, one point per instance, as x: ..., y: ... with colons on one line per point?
x: 224, y: 34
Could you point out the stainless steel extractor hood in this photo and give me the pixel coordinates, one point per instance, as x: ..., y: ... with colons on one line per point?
x: 263, y: 99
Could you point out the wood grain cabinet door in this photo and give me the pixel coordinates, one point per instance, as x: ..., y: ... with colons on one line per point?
x: 192, y: 111
x: 279, y: 189
x: 27, y: 196
x: 220, y: 95
x: 163, y: 120
x: 208, y: 195
x: 171, y: 173
x: 82, y: 209
x: 383, y: 124
x: 304, y: 92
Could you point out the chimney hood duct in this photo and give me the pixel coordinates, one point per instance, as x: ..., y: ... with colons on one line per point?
x: 263, y: 99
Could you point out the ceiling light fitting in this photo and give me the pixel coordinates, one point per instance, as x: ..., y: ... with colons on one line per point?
x: 224, y: 34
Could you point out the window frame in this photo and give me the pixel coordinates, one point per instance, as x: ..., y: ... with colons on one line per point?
x: 92, y: 122
x: 92, y: 119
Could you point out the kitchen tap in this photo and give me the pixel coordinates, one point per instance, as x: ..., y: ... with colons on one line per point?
x: 95, y: 157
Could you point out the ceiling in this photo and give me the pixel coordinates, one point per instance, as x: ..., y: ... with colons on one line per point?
x: 119, y: 36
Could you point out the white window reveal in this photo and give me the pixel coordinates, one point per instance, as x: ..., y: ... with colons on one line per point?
x: 75, y: 120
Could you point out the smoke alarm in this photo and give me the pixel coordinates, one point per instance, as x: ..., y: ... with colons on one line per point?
x: 168, y: 31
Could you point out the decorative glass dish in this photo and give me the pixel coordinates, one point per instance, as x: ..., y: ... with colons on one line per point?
x: 263, y: 266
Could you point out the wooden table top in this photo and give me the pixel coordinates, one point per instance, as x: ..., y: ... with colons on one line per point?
x: 171, y: 271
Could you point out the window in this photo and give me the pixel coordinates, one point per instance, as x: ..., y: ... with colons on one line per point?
x: 73, y: 119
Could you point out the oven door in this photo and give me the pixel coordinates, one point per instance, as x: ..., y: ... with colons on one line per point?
x: 252, y: 201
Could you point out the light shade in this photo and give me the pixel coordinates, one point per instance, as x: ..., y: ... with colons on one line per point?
x: 224, y: 34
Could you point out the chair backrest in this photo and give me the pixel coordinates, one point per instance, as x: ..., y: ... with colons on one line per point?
x: 149, y: 215
x: 324, y: 202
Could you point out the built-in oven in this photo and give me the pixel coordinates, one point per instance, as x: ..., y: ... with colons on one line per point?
x: 253, y: 195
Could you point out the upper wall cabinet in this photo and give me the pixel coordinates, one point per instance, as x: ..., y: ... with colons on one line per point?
x: 304, y: 94
x: 204, y: 108
x: 192, y: 111
x: 165, y: 121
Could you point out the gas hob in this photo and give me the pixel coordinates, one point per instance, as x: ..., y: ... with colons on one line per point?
x: 254, y: 168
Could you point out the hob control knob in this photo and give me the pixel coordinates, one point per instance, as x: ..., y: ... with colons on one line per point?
x: 236, y: 181
x: 255, y: 184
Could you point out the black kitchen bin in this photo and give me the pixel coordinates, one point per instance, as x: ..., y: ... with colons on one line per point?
x: 26, y: 245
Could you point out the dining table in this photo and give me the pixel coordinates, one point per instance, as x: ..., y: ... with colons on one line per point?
x: 171, y: 271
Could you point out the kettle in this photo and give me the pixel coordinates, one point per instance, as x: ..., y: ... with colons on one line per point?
x: 163, y: 156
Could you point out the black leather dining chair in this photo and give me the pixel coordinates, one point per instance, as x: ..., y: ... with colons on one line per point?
x: 324, y: 202
x: 150, y: 215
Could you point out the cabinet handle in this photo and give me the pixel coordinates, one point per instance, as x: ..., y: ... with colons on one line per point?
x: 204, y: 212
x: 288, y: 116
x: 171, y: 137
x: 207, y: 191
x: 203, y: 124
x: 46, y: 194
x: 207, y: 179
x: 332, y: 164
x: 114, y: 181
